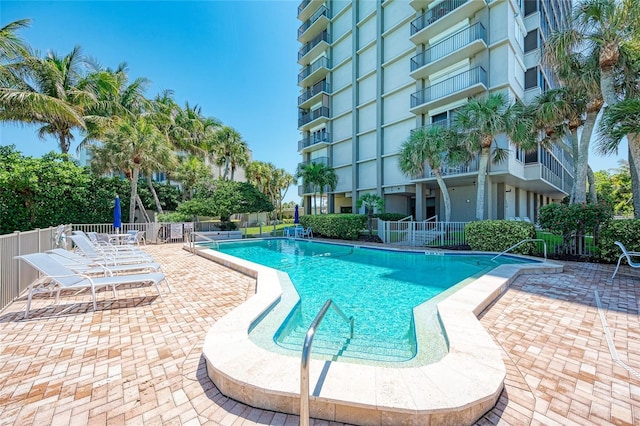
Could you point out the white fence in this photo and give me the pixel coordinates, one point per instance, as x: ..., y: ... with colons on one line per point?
x: 15, y: 276
x: 155, y: 232
x: 422, y: 234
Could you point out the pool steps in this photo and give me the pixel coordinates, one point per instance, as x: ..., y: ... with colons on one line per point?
x: 458, y: 389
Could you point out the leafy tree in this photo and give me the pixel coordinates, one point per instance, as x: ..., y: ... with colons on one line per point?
x: 224, y: 198
x: 370, y: 202
x: 189, y: 171
x: 480, y: 121
x: 615, y: 188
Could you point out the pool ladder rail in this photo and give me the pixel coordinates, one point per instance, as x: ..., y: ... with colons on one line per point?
x: 306, y: 355
x: 194, y: 236
x: 520, y: 243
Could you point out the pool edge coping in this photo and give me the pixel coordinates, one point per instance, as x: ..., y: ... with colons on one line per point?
x: 469, y: 378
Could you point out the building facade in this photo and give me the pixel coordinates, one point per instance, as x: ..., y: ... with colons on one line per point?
x: 374, y: 70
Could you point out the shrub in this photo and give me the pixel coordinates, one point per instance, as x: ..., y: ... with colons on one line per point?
x: 343, y: 226
x: 390, y: 216
x: 499, y: 235
x: 626, y: 231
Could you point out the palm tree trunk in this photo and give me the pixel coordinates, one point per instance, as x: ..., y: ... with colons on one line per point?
x: 445, y: 194
x: 634, y: 168
x: 482, y: 178
x: 134, y: 193
x: 156, y: 200
x: 575, y: 148
x: 147, y: 219
x: 580, y: 182
x: 592, y: 185
x: 607, y: 86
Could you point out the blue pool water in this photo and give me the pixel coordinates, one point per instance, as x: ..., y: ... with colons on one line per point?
x: 379, y: 288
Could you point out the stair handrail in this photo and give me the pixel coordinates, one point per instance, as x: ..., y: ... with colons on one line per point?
x: 522, y: 242
x: 194, y: 235
x: 306, y: 354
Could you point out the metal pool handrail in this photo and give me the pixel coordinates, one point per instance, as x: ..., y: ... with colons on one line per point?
x: 193, y: 237
x: 521, y: 242
x: 306, y: 353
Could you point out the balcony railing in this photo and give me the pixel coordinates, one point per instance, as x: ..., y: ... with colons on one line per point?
x: 449, y: 86
x: 449, y: 45
x: 322, y: 62
x: 319, y: 87
x: 302, y: 5
x: 323, y: 36
x: 313, y: 115
x: 323, y: 11
x: 312, y: 140
x: 437, y: 12
x: 448, y: 170
x: 318, y: 160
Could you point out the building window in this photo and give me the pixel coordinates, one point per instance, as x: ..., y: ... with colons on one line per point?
x: 531, y: 78
x: 530, y: 6
x: 531, y: 41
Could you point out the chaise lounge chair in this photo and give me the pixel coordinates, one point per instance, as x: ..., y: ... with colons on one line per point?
x: 109, y: 256
x: 84, y: 265
x: 629, y: 255
x: 55, y: 277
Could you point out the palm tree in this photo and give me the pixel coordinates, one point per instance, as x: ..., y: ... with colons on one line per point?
x: 319, y: 177
x: 480, y: 121
x: 283, y: 181
x: 429, y: 145
x: 559, y: 114
x: 230, y: 151
x: 370, y: 202
x: 48, y: 91
x: 608, y: 31
x: 130, y: 146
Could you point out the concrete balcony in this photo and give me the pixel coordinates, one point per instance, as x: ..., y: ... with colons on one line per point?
x: 313, y: 48
x: 313, y: 118
x: 313, y: 94
x: 442, y: 16
x: 463, y: 44
x: 314, y: 72
x: 314, y: 142
x: 307, y: 7
x: 314, y: 25
x: 465, y: 84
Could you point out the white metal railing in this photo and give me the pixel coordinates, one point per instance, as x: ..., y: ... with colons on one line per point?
x: 306, y: 355
x: 528, y: 240
x: 424, y: 233
x: 15, y: 276
x: 155, y: 232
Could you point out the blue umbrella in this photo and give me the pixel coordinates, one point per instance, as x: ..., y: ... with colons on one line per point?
x: 296, y: 215
x: 117, y: 214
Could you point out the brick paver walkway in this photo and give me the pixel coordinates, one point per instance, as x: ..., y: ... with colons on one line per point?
x: 137, y: 360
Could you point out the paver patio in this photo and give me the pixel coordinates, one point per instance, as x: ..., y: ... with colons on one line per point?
x: 137, y: 360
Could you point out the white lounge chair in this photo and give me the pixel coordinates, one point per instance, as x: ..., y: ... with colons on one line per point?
x: 84, y: 265
x: 55, y: 277
x: 109, y: 256
x: 629, y: 255
x: 306, y: 233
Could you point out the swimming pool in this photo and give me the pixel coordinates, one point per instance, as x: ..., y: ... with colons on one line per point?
x: 378, y: 288
x: 458, y: 389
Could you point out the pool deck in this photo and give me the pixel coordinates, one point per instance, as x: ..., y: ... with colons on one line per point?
x: 138, y: 360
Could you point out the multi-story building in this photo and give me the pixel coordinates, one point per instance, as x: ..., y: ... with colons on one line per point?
x: 374, y: 70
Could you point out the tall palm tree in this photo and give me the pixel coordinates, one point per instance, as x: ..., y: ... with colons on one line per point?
x: 283, y: 181
x: 230, y: 151
x: 320, y: 177
x: 49, y: 92
x: 480, y: 121
x: 189, y: 171
x: 429, y: 145
x: 129, y: 146
x: 609, y: 31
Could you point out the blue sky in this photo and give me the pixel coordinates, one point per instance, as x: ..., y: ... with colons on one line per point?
x: 235, y: 59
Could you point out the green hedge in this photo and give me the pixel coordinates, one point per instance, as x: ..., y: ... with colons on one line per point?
x: 626, y: 231
x: 390, y: 216
x: 499, y: 235
x: 343, y: 226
